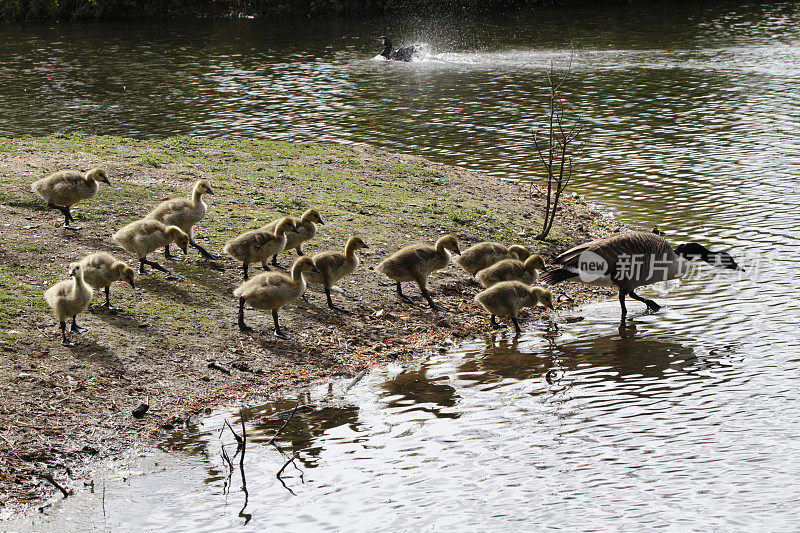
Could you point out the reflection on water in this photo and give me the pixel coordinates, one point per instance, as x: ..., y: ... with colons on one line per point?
x: 688, y: 417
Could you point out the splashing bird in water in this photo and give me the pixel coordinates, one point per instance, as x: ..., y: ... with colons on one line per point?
x: 404, y: 53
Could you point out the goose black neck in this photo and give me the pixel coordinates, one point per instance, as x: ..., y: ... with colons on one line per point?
x: 387, y: 48
x: 692, y: 250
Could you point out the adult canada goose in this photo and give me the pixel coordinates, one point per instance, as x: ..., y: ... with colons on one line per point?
x: 258, y: 245
x: 66, y: 188
x: 485, y: 254
x: 404, y: 53
x: 69, y: 298
x: 146, y: 235
x: 512, y: 270
x: 508, y: 297
x: 272, y: 290
x: 185, y: 213
x: 101, y: 269
x: 630, y: 260
x: 306, y: 229
x: 334, y: 265
x: 416, y: 262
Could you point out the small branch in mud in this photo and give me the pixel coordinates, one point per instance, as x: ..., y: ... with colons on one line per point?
x: 356, y: 379
x: 49, y: 478
x: 217, y: 366
x: 239, y: 440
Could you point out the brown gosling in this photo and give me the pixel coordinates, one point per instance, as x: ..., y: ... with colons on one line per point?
x: 511, y: 270
x: 66, y: 188
x: 272, y: 290
x: 485, y: 254
x: 258, y: 245
x: 147, y: 235
x: 306, y: 229
x: 334, y: 265
x: 185, y: 213
x: 69, y: 298
x: 508, y: 297
x: 101, y: 269
x: 416, y: 262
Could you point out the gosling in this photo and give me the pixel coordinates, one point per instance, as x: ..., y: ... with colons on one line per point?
x: 69, y: 298
x: 272, y: 290
x: 508, y: 297
x: 416, y: 262
x: 147, y: 235
x: 66, y: 188
x: 512, y: 270
x: 306, y: 229
x: 101, y: 269
x: 185, y: 213
x: 333, y: 266
x: 258, y: 245
x: 485, y: 254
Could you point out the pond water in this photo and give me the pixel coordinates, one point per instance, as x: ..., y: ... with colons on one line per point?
x: 688, y: 417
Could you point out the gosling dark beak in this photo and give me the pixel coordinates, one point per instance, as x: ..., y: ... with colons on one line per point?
x: 315, y: 269
x: 71, y: 272
x: 209, y: 191
x: 185, y: 250
x: 133, y: 286
x: 321, y: 222
x: 457, y: 251
x: 550, y: 306
x: 365, y: 245
x: 295, y: 230
x: 105, y: 180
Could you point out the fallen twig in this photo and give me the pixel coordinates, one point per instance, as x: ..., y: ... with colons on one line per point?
x: 217, y: 366
x: 55, y: 483
x: 356, y: 379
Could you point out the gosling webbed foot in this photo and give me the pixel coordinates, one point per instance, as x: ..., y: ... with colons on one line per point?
x: 75, y: 328
x: 438, y: 308
x: 337, y: 307
x: 495, y: 324
x: 282, y: 334
x: 67, y: 343
x: 406, y: 299
x: 107, y: 305
x: 243, y: 326
x: 205, y: 254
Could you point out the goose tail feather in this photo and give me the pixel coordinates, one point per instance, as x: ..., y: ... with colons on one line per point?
x: 553, y: 277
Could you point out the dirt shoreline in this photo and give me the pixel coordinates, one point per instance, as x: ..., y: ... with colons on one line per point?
x: 61, y: 409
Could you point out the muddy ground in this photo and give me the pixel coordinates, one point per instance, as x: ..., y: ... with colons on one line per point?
x: 61, y: 408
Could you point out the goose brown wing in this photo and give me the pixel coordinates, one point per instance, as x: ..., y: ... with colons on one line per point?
x: 635, y: 244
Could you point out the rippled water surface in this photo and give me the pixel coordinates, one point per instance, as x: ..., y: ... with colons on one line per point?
x: 687, y: 418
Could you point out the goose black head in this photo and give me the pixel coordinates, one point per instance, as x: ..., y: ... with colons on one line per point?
x: 387, y: 46
x: 692, y: 250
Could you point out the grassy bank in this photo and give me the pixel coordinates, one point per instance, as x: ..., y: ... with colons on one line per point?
x: 60, y: 407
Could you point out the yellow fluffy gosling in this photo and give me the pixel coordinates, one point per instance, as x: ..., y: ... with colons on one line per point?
x: 511, y: 270
x: 66, y: 188
x: 146, y: 235
x: 485, y: 254
x: 101, y: 269
x: 416, y: 262
x: 306, y: 229
x: 185, y: 213
x: 258, y: 245
x: 67, y: 299
x: 272, y: 290
x: 508, y: 297
x: 334, y: 265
